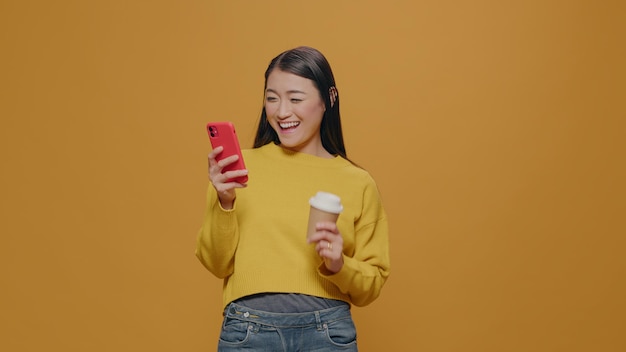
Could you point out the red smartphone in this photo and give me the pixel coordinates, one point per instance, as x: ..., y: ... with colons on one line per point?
x: 223, y: 134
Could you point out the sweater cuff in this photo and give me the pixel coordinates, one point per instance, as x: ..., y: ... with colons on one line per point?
x: 343, y: 277
x: 225, y: 219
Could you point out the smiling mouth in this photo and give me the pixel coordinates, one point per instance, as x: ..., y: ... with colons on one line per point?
x: 288, y: 125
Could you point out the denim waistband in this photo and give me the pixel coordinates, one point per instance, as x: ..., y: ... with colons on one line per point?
x: 319, y: 317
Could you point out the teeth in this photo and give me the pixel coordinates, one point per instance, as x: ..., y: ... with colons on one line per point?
x: 288, y: 124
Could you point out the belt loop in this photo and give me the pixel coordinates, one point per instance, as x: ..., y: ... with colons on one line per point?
x: 318, y: 320
x: 231, y: 309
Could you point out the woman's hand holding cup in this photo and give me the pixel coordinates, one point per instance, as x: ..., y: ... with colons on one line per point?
x: 322, y: 229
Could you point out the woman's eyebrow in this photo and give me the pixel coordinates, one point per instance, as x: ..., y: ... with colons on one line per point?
x: 291, y: 91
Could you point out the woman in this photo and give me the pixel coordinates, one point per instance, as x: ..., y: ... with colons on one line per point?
x: 283, y: 292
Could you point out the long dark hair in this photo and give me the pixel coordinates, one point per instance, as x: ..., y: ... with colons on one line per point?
x: 308, y: 63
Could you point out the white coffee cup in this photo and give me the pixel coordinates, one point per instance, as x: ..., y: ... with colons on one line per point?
x: 325, y: 207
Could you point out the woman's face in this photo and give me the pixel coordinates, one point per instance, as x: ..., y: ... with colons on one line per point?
x: 295, y: 110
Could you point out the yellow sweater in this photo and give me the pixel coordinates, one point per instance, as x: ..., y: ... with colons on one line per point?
x: 260, y: 245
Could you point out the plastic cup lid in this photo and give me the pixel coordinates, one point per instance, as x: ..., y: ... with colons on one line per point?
x: 327, y: 202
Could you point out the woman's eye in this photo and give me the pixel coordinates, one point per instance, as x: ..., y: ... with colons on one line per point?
x: 270, y: 99
x: 295, y: 100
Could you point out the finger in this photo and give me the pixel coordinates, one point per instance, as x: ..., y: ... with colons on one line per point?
x: 326, y: 245
x: 228, y: 175
x: 318, y: 236
x: 215, y: 152
x: 326, y: 226
x: 328, y: 251
x: 216, y: 167
x: 228, y: 160
x: 213, y: 166
x: 323, y: 248
x: 324, y: 234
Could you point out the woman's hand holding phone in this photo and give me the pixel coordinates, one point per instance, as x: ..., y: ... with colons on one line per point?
x: 227, y: 170
x: 223, y: 180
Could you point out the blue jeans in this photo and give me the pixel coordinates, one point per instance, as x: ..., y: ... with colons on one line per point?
x: 254, y: 330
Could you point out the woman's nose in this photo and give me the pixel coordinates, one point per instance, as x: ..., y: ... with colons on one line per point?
x: 284, y: 111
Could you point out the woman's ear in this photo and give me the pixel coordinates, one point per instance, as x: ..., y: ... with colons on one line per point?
x: 332, y: 91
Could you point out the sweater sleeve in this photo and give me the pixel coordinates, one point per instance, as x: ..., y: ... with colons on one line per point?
x: 364, y: 274
x: 218, y: 237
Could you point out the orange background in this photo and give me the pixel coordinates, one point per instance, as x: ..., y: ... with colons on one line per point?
x: 495, y: 131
